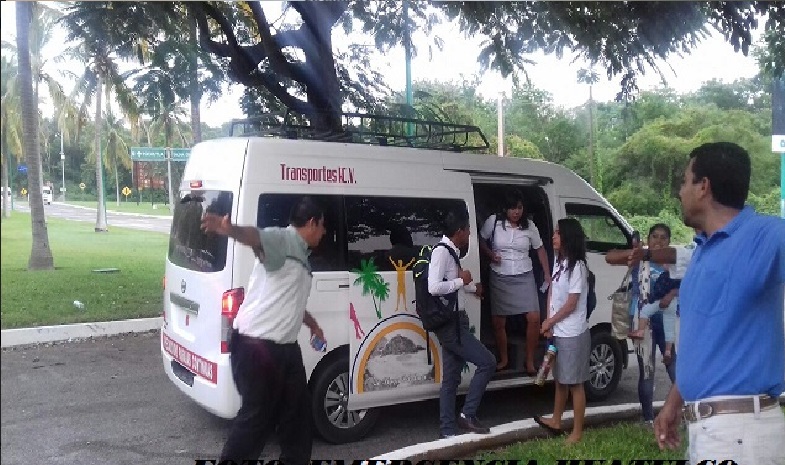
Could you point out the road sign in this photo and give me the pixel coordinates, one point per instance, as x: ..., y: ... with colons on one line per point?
x: 22, y: 168
x: 24, y: 191
x: 126, y: 192
x: 82, y: 185
x: 180, y: 154
x: 148, y: 153
x: 158, y: 154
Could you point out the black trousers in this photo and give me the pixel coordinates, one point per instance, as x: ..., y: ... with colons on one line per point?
x: 271, y: 379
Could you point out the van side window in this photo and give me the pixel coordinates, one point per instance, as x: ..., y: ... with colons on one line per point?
x: 273, y: 210
x: 393, y: 227
x: 603, y: 230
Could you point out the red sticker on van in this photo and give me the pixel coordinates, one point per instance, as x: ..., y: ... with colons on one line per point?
x: 194, y: 363
x: 337, y: 175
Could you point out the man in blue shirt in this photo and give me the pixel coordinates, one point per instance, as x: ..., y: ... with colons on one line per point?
x: 731, y: 365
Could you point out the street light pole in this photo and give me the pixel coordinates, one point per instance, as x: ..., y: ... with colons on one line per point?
x: 62, y: 160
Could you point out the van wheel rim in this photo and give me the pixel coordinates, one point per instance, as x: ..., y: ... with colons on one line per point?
x: 336, y: 402
x: 602, y: 367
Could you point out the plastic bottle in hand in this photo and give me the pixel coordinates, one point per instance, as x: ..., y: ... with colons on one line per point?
x: 545, y: 368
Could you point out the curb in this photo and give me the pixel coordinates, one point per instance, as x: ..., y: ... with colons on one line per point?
x: 56, y: 333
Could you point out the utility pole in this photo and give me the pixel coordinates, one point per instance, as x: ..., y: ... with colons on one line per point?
x: 408, y: 48
x: 500, y: 115
x: 591, y: 138
x: 169, y: 173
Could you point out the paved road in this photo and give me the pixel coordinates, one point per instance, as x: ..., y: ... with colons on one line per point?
x: 108, y: 401
x: 69, y: 212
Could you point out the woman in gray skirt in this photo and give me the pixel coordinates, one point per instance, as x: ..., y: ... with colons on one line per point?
x: 567, y: 324
x: 508, y: 237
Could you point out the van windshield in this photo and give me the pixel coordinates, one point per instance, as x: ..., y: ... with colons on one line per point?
x: 189, y: 247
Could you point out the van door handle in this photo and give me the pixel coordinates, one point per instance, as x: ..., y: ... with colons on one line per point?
x: 332, y: 285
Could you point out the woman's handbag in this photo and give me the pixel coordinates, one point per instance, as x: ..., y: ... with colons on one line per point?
x: 620, y: 307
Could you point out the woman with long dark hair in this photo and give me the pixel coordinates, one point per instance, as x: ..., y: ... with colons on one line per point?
x: 507, y: 239
x: 567, y: 325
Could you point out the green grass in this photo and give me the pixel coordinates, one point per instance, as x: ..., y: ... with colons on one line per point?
x: 33, y: 298
x: 127, y: 207
x: 623, y: 441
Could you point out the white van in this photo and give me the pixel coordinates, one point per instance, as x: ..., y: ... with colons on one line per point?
x: 46, y: 192
x: 376, y: 345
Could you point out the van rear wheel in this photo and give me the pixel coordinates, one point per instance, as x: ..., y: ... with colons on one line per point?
x: 605, y: 366
x: 333, y: 421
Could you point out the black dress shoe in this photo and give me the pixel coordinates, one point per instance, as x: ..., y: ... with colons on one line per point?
x: 472, y: 424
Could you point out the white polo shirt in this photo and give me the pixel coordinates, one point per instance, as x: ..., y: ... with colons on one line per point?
x: 278, y: 290
x: 564, y: 284
x: 512, y: 244
x: 443, y: 273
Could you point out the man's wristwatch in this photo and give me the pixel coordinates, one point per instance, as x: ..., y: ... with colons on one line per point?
x: 647, y: 255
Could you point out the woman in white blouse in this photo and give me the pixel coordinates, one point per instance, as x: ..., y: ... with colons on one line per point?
x: 567, y: 325
x: 508, y: 237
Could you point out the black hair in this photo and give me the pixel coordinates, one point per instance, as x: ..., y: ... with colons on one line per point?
x: 662, y: 226
x: 455, y: 220
x: 511, y: 200
x: 400, y: 235
x: 573, y: 241
x: 727, y: 167
x: 305, y: 210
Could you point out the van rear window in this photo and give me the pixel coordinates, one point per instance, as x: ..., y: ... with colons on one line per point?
x: 189, y: 247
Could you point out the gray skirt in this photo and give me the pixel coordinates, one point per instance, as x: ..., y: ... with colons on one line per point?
x: 513, y: 294
x: 572, y: 358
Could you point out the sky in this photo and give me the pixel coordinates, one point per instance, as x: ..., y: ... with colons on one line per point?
x: 712, y: 59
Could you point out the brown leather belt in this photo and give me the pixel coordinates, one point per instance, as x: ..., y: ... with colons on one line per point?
x: 705, y: 409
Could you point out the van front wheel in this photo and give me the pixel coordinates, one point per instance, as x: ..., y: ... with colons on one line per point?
x: 605, y: 366
x: 333, y: 421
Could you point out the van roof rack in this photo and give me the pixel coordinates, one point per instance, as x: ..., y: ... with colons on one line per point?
x: 366, y: 128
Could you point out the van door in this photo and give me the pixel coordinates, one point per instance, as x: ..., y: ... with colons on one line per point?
x: 388, y: 346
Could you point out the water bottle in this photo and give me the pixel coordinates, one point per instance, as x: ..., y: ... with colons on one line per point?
x: 545, y: 368
x: 318, y: 344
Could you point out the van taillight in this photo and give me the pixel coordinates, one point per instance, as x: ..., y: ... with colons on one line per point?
x: 230, y: 304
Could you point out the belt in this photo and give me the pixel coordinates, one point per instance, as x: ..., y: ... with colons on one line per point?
x: 704, y: 409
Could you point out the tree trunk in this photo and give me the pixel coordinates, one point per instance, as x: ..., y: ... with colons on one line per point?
x: 100, y: 216
x: 193, y: 76
x: 40, y: 254
x: 6, y: 187
x: 6, y: 183
x: 117, y: 181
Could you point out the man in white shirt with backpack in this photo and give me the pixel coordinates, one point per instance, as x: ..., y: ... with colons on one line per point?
x: 459, y: 345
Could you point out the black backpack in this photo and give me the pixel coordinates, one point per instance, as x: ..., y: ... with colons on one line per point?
x: 591, y: 296
x: 434, y: 311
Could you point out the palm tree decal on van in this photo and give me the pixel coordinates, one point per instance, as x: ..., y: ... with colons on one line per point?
x: 372, y: 283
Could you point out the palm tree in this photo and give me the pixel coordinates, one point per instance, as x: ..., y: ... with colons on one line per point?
x: 117, y: 151
x: 41, y: 30
x: 40, y: 254
x: 590, y: 77
x: 10, y: 127
x: 372, y: 283
x: 101, y: 78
